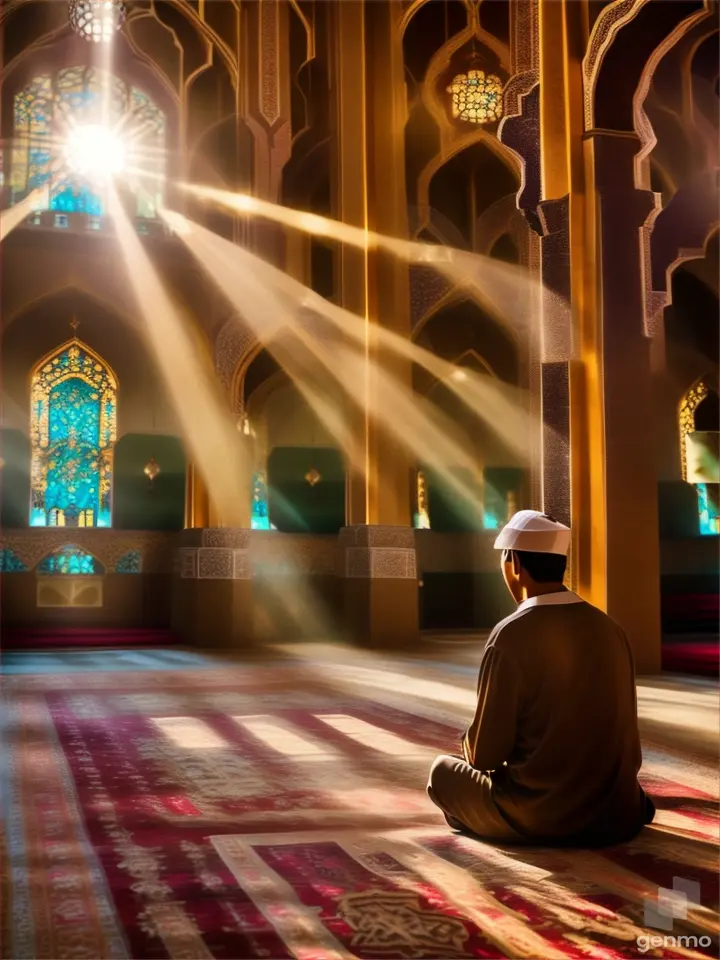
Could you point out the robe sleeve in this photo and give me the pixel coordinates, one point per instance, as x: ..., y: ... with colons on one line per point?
x: 490, y: 738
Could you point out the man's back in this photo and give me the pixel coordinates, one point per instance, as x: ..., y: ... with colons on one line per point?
x: 573, y: 766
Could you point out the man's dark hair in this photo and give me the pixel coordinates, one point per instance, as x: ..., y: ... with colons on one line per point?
x: 543, y: 567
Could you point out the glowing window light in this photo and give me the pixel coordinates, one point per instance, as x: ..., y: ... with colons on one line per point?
x: 94, y: 152
x: 476, y: 97
x: 374, y: 737
x: 260, y: 519
x: 422, y: 517
x: 189, y: 733
x: 707, y: 512
x: 96, y: 20
x: 280, y: 738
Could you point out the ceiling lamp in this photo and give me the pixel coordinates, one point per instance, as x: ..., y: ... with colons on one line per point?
x: 476, y: 97
x: 313, y: 477
x: 97, y: 20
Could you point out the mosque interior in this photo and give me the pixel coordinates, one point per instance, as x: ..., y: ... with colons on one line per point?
x: 300, y: 301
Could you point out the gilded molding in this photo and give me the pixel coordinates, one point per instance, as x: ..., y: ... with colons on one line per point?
x: 606, y: 27
x: 269, y: 79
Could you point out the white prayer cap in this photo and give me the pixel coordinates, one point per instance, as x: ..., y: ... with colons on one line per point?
x: 534, y: 532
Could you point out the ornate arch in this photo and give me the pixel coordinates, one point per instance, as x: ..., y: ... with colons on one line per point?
x: 611, y: 79
x: 686, y: 413
x: 235, y: 347
x: 73, y: 430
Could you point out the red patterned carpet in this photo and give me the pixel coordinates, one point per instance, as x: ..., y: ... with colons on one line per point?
x: 263, y: 811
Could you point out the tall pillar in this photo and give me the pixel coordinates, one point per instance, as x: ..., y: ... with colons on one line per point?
x: 212, y: 605
x: 378, y: 546
x: 588, y: 188
x: 632, y: 543
x: 197, y: 500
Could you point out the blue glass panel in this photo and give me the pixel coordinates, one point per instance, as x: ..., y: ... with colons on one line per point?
x: 708, y: 512
x: 69, y: 561
x: 75, y: 199
x: 10, y: 562
x: 131, y: 562
x: 260, y: 515
x: 73, y: 431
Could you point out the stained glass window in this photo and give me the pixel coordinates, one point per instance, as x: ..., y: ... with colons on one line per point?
x: 476, y: 97
x: 708, y: 509
x: 10, y: 562
x: 69, y: 560
x: 260, y: 514
x: 51, y: 105
x: 73, y: 430
x: 130, y: 562
x: 422, y: 517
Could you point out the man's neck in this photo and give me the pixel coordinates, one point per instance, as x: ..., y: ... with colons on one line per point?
x: 540, y: 589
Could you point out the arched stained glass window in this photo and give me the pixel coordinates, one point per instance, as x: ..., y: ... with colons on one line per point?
x: 69, y: 560
x: 73, y: 430
x: 50, y: 106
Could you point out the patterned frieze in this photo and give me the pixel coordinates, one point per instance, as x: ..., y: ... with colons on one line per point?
x: 109, y: 547
x: 380, y: 563
x: 377, y: 535
x: 236, y: 554
x: 377, y: 552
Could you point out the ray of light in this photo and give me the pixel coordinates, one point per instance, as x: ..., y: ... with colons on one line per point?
x: 368, y: 735
x: 281, y: 323
x: 208, y: 424
x: 189, y: 733
x: 508, y: 291
x: 279, y: 737
x: 12, y: 217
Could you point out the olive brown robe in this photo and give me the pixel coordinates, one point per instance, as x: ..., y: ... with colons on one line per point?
x: 553, y: 751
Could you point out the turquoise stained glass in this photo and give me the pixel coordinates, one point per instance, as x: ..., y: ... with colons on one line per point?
x: 72, y: 432
x: 130, y: 562
x: 50, y: 105
x: 10, y: 562
x: 708, y: 512
x: 260, y: 516
x: 69, y: 560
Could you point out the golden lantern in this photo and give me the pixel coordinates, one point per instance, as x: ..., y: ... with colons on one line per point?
x: 476, y: 97
x: 313, y: 477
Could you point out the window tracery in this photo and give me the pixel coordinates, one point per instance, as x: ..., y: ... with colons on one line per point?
x: 48, y: 108
x: 69, y: 560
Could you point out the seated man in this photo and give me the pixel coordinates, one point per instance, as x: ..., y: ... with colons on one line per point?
x: 553, y: 752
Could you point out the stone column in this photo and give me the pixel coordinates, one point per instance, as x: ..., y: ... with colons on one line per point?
x: 378, y: 547
x: 631, y: 500
x: 380, y: 587
x: 212, y: 590
x: 615, y: 552
x: 197, y: 501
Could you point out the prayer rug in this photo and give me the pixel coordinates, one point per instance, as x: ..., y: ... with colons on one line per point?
x: 265, y: 811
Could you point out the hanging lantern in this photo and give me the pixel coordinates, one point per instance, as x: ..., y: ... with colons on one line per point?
x: 151, y: 469
x: 476, y: 97
x: 312, y: 477
x: 97, y: 20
